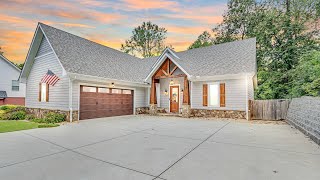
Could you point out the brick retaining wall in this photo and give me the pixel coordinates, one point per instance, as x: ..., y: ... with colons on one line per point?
x: 304, y: 114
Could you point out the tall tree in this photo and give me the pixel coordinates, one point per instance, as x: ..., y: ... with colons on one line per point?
x: 147, y: 40
x: 285, y: 30
x: 203, y: 40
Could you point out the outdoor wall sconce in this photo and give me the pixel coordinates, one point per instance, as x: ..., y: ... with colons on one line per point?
x: 112, y: 84
x: 181, y: 90
x: 166, y: 92
x: 171, y: 82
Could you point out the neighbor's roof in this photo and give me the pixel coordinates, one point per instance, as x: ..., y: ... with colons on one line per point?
x: 9, y: 62
x: 79, y: 55
x: 3, y: 94
x: 235, y: 57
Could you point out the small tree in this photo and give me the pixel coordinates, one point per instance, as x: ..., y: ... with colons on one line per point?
x: 147, y: 40
x: 1, y: 52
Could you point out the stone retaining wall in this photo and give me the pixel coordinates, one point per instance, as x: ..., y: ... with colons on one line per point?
x: 304, y: 114
x: 218, y: 113
x: 40, y: 113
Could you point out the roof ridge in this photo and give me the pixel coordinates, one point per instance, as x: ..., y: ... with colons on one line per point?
x: 90, y: 41
x: 215, y: 45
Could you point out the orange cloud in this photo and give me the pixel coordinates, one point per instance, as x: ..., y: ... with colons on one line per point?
x: 147, y: 4
x: 76, y: 25
x: 14, y: 44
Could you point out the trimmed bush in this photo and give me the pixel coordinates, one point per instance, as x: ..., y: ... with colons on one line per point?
x: 8, y: 107
x: 16, y: 115
x: 37, y: 120
x: 47, y: 125
x: 52, y: 117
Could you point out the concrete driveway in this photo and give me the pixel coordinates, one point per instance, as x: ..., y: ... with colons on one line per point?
x: 148, y: 147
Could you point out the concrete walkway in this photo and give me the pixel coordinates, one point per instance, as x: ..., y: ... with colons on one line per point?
x: 148, y: 147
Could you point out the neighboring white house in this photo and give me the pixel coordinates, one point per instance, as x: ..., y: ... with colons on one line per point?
x: 11, y: 90
x: 98, y: 81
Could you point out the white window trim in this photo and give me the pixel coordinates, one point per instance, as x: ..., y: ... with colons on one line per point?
x: 43, y: 92
x: 208, y: 98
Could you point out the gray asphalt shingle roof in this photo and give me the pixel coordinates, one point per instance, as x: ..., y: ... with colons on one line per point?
x: 79, y: 55
x: 3, y: 94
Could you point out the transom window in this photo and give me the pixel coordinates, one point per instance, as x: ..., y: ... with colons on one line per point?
x: 15, y: 85
x: 214, y: 95
x: 89, y: 89
x: 116, y: 91
x: 126, y: 91
x: 103, y: 90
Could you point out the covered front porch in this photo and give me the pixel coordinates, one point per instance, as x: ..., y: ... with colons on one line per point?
x: 170, y: 92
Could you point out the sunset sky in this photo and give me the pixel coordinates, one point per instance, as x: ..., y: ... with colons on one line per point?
x: 108, y: 22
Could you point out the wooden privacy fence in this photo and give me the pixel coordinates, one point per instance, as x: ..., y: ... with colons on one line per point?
x: 269, y: 109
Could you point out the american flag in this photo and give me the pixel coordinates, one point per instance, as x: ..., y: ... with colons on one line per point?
x: 50, y: 78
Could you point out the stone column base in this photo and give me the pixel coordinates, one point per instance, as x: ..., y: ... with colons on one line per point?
x: 186, y: 110
x: 153, y: 109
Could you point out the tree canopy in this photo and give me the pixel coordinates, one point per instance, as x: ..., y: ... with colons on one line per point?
x: 286, y: 32
x: 147, y: 40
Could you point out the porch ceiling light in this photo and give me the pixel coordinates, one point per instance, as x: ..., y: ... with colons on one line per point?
x: 171, y: 82
x: 112, y: 84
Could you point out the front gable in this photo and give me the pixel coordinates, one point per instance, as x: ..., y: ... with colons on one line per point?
x: 167, y: 66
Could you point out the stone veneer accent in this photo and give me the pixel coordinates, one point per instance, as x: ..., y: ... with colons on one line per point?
x: 304, y: 114
x: 218, y: 113
x: 142, y: 110
x: 153, y: 109
x: 40, y: 113
x: 186, y: 111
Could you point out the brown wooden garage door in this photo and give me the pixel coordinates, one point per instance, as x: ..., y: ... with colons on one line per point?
x: 97, y: 102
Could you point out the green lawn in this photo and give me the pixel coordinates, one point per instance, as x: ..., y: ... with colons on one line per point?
x: 12, y: 125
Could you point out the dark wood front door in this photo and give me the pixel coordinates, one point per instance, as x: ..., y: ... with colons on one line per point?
x: 104, y: 102
x: 174, y: 98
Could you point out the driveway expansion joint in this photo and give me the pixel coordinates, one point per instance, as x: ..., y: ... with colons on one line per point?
x: 191, y: 150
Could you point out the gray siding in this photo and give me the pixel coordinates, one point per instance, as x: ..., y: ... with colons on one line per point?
x: 58, y: 94
x: 140, y: 93
x: 44, y: 47
x: 235, y: 95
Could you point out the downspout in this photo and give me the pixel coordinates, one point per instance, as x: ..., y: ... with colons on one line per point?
x: 70, y: 100
x: 247, y: 99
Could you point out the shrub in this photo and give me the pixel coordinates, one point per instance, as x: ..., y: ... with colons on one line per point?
x: 47, y: 125
x: 37, y: 120
x: 52, y: 117
x: 16, y: 115
x: 30, y: 117
x: 8, y: 107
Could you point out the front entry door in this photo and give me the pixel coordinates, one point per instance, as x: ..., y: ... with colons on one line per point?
x: 174, y: 98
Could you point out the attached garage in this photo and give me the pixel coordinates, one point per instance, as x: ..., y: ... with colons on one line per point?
x: 98, y: 102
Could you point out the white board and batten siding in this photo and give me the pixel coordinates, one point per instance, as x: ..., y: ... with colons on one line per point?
x: 59, y: 93
x: 140, y: 96
x: 236, y: 95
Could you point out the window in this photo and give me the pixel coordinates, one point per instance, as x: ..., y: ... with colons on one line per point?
x: 15, y: 85
x: 103, y: 90
x: 89, y: 89
x: 116, y: 91
x: 43, y: 92
x: 214, y: 95
x: 126, y: 91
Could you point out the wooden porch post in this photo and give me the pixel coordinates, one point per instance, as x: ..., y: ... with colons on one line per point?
x: 186, y: 95
x: 153, y: 99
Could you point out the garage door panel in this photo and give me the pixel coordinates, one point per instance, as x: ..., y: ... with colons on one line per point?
x: 105, y: 104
